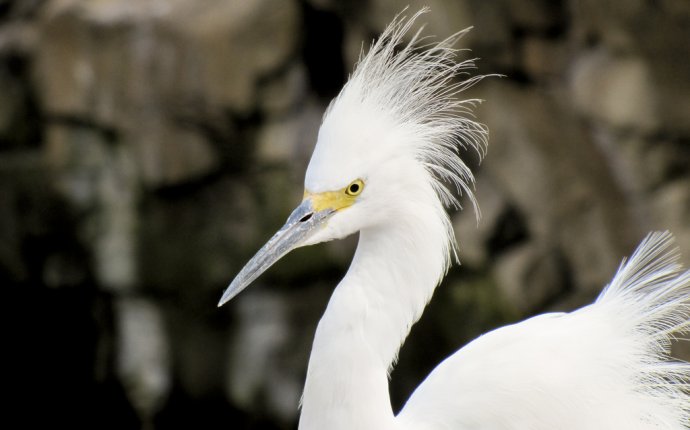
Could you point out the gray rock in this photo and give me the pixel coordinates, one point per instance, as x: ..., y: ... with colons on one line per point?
x: 447, y: 18
x: 670, y: 207
x: 8, y: 108
x: 284, y: 94
x: 100, y: 179
x: 27, y: 207
x: 543, y: 59
x: 243, y: 41
x: 100, y: 55
x: 529, y: 276
x: 616, y: 90
x: 197, y: 345
x: 127, y: 66
x: 492, y: 37
x: 473, y: 235
x: 608, y: 22
x: 143, y: 355
x: 199, y: 239
x: 559, y: 179
x: 669, y: 73
x: 535, y: 15
x: 261, y: 341
x: 290, y: 140
x: 647, y: 43
x: 168, y: 154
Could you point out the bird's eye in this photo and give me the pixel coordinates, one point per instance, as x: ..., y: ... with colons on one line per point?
x: 355, y: 188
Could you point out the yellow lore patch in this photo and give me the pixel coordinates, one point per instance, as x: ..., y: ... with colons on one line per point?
x: 334, y: 200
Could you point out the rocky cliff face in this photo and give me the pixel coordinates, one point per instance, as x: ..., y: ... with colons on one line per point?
x: 148, y: 148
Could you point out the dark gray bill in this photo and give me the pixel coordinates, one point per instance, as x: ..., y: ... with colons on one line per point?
x: 299, y: 226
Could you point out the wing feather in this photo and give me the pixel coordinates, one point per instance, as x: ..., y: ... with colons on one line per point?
x: 604, y: 366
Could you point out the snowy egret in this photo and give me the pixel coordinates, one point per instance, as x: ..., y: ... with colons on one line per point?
x: 386, y: 145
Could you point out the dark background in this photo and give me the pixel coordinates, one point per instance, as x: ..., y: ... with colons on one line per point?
x: 148, y: 148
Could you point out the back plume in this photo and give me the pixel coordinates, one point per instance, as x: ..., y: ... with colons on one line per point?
x: 605, y: 366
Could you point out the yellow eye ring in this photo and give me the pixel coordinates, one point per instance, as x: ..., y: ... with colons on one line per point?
x: 355, y: 188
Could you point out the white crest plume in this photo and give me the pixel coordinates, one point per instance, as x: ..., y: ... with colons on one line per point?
x: 415, y: 89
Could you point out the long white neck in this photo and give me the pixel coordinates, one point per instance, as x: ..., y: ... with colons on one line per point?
x: 393, y: 274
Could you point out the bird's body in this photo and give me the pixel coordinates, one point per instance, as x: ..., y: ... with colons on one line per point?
x: 603, y: 366
x: 385, y: 145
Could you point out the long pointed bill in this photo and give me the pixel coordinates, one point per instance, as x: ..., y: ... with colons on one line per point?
x: 299, y: 226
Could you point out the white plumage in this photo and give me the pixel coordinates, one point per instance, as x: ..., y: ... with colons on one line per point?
x: 387, y: 144
x: 604, y: 366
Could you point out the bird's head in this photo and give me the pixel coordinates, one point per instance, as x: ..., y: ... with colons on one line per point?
x: 388, y: 142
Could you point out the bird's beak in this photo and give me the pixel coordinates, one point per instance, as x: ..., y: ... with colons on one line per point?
x: 301, y: 224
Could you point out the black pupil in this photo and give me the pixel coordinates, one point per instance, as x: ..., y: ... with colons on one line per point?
x: 354, y: 188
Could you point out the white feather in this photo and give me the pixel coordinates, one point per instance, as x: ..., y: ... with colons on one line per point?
x: 401, y: 106
x: 417, y: 90
x: 605, y: 366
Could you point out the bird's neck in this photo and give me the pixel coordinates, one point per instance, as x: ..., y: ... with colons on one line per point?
x: 392, y: 277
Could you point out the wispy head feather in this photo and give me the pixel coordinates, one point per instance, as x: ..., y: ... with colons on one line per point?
x: 399, y: 123
x: 415, y: 86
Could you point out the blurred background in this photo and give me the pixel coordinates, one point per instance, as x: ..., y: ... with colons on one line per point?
x: 148, y: 148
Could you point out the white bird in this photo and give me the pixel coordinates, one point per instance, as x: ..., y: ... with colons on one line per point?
x: 387, y: 144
